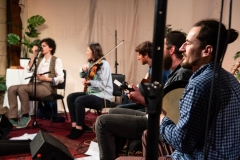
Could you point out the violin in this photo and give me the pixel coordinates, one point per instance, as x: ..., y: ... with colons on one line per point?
x: 95, y: 66
x: 92, y: 71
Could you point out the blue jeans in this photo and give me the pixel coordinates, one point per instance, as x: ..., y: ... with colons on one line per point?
x: 119, y: 124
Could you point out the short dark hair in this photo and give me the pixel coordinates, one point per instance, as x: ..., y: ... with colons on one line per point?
x: 145, y: 48
x: 175, y: 38
x: 51, y: 43
x: 208, y: 35
x: 96, y: 49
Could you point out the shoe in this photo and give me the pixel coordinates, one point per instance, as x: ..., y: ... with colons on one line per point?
x: 87, y: 129
x: 24, y: 121
x: 76, y: 134
x: 14, y: 123
x: 71, y: 132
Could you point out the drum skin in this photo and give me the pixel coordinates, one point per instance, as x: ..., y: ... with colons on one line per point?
x: 172, y: 95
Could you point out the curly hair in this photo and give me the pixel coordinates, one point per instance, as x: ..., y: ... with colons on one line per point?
x: 51, y: 43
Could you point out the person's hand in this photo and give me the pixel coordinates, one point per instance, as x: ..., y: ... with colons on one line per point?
x: 136, y: 95
x: 85, y: 82
x: 85, y: 68
x: 162, y: 115
x: 41, y: 77
x: 34, y: 50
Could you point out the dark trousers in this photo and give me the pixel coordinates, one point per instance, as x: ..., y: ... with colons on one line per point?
x: 78, y: 101
x: 119, y: 124
x: 133, y: 105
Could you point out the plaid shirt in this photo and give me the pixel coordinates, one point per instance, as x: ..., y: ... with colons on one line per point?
x: 187, y: 136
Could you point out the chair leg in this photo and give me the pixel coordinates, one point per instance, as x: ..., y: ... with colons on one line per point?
x: 99, y: 112
x: 64, y: 110
x: 52, y: 113
x: 127, y: 147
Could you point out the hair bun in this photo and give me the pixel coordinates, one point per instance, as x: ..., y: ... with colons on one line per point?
x: 233, y: 35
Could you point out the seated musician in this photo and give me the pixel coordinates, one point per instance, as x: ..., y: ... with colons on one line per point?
x: 189, y: 137
x: 120, y: 123
x: 44, y: 86
x: 144, y: 54
x: 98, y: 90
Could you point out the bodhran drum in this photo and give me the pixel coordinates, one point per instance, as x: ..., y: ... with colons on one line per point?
x: 172, y: 95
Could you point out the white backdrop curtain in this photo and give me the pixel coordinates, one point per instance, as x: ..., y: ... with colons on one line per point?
x: 76, y: 23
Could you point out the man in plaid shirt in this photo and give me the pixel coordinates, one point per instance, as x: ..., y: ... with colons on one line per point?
x: 187, y: 137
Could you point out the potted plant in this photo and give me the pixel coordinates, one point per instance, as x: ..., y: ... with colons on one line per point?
x: 3, y: 86
x: 29, y: 35
x: 236, y: 67
x: 3, y: 89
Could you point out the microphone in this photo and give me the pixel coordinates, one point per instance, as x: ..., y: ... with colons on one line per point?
x: 40, y: 48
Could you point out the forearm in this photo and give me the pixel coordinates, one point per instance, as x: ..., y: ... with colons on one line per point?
x: 59, y: 73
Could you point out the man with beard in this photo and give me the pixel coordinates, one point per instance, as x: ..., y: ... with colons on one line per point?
x: 144, y: 55
x: 120, y: 124
x: 206, y: 129
x: 172, y: 59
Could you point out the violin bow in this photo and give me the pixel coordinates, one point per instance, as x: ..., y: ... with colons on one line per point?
x: 107, y: 53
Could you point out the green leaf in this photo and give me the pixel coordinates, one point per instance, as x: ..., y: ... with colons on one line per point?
x: 238, y: 75
x: 36, y: 42
x: 237, y: 55
x: 3, y: 86
x: 26, y: 42
x: 2, y: 79
x: 32, y: 32
x: 13, y: 39
x: 36, y: 21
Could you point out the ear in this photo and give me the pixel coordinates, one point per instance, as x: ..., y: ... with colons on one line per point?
x: 146, y: 55
x: 172, y: 50
x: 207, y: 51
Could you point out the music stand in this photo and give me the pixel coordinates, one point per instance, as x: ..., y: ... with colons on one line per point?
x: 35, y: 123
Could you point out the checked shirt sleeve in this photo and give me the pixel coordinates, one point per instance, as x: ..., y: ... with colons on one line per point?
x: 186, y: 134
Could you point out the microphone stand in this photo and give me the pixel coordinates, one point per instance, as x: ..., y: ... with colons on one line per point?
x: 153, y: 91
x: 35, y: 123
x: 116, y: 63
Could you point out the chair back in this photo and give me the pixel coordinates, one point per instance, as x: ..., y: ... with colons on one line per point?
x: 63, y: 85
x: 116, y: 90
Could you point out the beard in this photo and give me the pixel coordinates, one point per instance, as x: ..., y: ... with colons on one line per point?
x: 167, y: 62
x: 189, y: 65
x: 186, y: 65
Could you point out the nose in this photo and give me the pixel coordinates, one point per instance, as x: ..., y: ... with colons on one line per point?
x: 182, y: 48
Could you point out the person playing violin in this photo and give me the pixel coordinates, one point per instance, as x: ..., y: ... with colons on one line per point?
x: 98, y: 90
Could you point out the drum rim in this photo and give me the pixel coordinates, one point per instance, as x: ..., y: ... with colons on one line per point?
x: 174, y: 85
